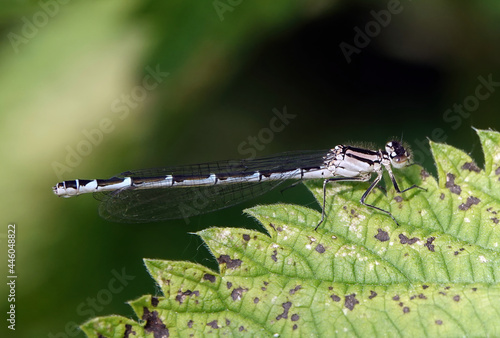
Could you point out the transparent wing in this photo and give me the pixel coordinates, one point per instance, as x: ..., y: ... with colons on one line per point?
x: 275, y: 163
x: 155, y: 204
x: 137, y: 206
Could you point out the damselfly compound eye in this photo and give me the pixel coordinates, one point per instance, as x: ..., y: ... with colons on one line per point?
x: 398, y: 155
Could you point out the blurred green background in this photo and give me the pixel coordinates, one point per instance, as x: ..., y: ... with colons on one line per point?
x: 74, y: 104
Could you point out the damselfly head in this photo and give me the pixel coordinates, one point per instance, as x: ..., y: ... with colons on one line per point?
x: 399, y: 156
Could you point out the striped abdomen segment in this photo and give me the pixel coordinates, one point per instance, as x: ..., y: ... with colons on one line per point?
x: 77, y: 187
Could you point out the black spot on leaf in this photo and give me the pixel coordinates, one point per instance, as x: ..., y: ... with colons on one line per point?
x: 154, y: 324
x: 295, y: 317
x: 351, y: 301
x: 429, y: 244
x: 471, y: 200
x: 181, y: 296
x: 372, y: 295
x: 190, y: 324
x: 406, y: 309
x: 424, y: 174
x: 471, y: 166
x: 213, y: 324
x: 382, y: 236
x: 246, y: 237
x: 490, y: 209
x: 274, y: 256
x: 286, y: 308
x: 230, y: 263
x: 335, y: 298
x: 237, y: 293
x: 439, y: 322
x: 295, y: 289
x: 128, y: 331
x: 450, y: 184
x: 456, y: 298
x: 320, y: 248
x: 405, y: 240
x: 154, y: 301
x: 209, y: 277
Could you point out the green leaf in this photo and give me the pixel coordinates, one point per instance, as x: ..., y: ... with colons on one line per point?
x: 359, y: 274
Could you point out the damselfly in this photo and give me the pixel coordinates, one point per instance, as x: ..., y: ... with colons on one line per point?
x: 180, y: 192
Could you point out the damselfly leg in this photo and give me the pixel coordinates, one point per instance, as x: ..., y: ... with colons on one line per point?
x: 366, y: 193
